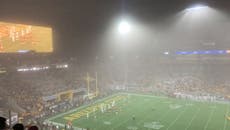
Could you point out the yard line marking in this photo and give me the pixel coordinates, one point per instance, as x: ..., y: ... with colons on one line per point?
x: 83, y: 106
x: 164, y: 115
x: 178, y: 116
x: 226, y: 113
x: 210, y: 117
x: 156, y: 102
x: 148, y: 115
x: 148, y: 95
x: 211, y: 113
x: 125, y: 120
x: 145, y: 95
x: 62, y: 125
x: 195, y: 115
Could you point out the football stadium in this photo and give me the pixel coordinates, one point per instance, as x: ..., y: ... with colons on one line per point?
x: 115, y: 65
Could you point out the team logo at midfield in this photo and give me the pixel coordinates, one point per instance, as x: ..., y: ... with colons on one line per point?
x: 153, y: 125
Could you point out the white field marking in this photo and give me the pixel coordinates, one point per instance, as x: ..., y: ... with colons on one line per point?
x: 226, y: 113
x: 164, y: 115
x: 123, y: 121
x: 84, y: 106
x: 87, y: 105
x: 116, y: 125
x: 210, y: 117
x: 145, y: 95
x: 76, y: 109
x: 91, y: 115
x: 128, y: 120
x: 62, y: 125
x: 194, y: 117
x: 147, y: 115
x: 55, y: 123
x: 178, y: 116
x: 111, y: 119
x: 145, y: 101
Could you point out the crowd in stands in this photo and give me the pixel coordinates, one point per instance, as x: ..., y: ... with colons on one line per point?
x: 17, y: 126
x: 168, y: 80
x: 27, y: 89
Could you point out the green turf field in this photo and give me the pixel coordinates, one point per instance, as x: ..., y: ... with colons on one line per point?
x: 143, y: 112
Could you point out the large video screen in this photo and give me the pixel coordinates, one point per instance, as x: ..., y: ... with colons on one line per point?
x: 24, y: 38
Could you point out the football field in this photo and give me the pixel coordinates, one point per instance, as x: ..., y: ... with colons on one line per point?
x: 144, y: 112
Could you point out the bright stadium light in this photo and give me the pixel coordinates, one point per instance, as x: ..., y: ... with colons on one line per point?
x: 197, y: 8
x: 166, y: 53
x: 124, y: 27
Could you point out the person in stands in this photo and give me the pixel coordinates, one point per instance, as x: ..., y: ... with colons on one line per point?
x: 3, y: 124
x: 33, y: 128
x: 18, y: 126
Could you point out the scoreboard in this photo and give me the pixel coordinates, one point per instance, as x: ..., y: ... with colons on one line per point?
x: 24, y: 38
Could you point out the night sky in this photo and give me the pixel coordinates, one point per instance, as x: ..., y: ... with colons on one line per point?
x: 79, y: 25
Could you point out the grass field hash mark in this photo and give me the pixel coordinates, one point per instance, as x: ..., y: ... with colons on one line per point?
x: 84, y: 106
x: 226, y: 113
x: 177, y: 118
x: 210, y: 117
x: 143, y: 95
x: 147, y: 115
x: 93, y: 114
x: 112, y: 119
x: 195, y: 115
x: 123, y: 122
x: 134, y: 95
x: 91, y: 109
x: 207, y: 123
x: 165, y: 115
x: 62, y: 125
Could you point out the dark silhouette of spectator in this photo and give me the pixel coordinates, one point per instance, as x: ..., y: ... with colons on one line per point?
x: 33, y: 128
x: 3, y: 124
x: 18, y: 127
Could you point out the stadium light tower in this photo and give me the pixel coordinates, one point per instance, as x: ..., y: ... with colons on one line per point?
x: 124, y: 27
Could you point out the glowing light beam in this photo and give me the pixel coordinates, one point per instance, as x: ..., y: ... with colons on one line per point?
x: 124, y: 27
x: 197, y: 8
